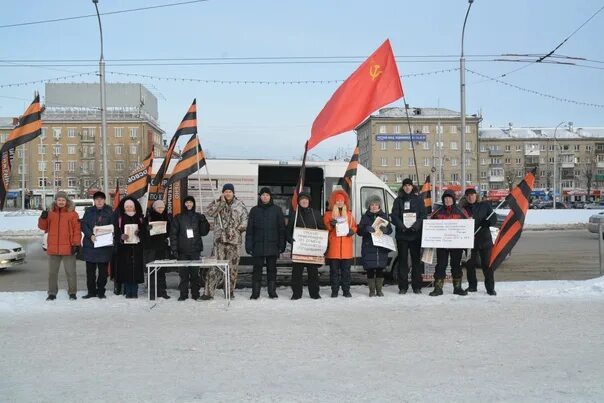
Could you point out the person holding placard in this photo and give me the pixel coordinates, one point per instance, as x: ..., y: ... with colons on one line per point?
x: 449, y: 211
x: 155, y: 245
x: 128, y: 230
x: 185, y: 240
x: 310, y: 218
x: 96, y: 225
x: 342, y: 226
x: 408, y: 214
x: 484, y: 218
x: 375, y: 258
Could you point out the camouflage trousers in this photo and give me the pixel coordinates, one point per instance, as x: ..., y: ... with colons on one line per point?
x: 214, y: 277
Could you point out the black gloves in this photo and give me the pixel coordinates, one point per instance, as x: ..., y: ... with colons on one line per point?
x: 149, y: 227
x: 175, y: 254
x: 333, y: 222
x: 350, y: 232
x: 75, y: 249
x: 370, y: 229
x: 383, y: 228
x: 44, y: 214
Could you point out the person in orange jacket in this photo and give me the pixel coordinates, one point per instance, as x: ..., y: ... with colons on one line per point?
x: 339, y: 247
x: 62, y: 224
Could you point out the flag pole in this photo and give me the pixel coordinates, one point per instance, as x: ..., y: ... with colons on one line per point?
x: 411, y: 138
x: 198, y: 178
x: 301, y: 184
x: 213, y: 193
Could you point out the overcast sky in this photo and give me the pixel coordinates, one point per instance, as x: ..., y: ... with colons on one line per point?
x: 274, y: 120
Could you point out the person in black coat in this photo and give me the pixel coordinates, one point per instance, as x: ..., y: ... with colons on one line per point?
x: 408, y: 236
x: 156, y: 246
x: 96, y: 258
x: 307, y: 218
x: 484, y: 218
x: 265, y: 240
x: 185, y: 241
x: 129, y: 265
x: 375, y: 258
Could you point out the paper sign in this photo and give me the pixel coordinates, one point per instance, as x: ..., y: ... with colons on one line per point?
x: 378, y: 223
x: 409, y: 219
x: 309, y: 245
x: 103, y: 240
x: 449, y: 234
x: 102, y: 229
x: 130, y: 230
x: 385, y: 241
x: 428, y: 255
x: 342, y: 228
x: 158, y: 227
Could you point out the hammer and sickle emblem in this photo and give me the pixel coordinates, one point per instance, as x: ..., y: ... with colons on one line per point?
x: 375, y: 70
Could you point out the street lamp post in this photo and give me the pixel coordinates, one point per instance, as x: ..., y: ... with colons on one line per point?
x: 103, y: 105
x: 462, y: 90
x: 555, y: 163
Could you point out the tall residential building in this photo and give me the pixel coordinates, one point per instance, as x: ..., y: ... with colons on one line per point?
x: 68, y: 154
x: 575, y: 155
x: 387, y: 142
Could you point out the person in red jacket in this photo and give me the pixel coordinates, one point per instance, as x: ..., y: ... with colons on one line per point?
x: 339, y: 246
x: 62, y: 225
x: 449, y: 211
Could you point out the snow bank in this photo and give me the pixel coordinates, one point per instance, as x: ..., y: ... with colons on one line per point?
x: 554, y: 217
x: 535, y: 341
x: 19, y: 223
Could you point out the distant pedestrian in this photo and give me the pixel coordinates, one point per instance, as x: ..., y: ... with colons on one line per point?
x: 264, y: 241
x: 97, y: 259
x: 62, y: 225
x: 375, y: 258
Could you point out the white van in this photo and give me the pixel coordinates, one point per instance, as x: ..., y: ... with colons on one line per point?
x: 248, y: 176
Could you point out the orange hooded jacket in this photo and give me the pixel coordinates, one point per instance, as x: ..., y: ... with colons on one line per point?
x: 339, y: 247
x: 63, y: 228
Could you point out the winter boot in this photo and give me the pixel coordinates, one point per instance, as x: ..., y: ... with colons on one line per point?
x: 379, y: 283
x: 438, y: 287
x: 346, y: 293
x: 89, y: 295
x: 490, y: 286
x: 117, y: 288
x: 457, y: 290
x: 272, y: 289
x: 255, y: 290
x: 371, y: 285
x: 334, y: 292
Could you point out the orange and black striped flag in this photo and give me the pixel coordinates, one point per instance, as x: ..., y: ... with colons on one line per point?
x: 28, y: 128
x: 191, y: 160
x: 426, y: 195
x: 188, y: 125
x: 140, y: 177
x: 351, y: 171
x: 300, y: 184
x: 511, y: 229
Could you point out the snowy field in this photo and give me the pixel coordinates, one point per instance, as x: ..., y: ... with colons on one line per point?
x: 535, y: 341
x: 26, y: 223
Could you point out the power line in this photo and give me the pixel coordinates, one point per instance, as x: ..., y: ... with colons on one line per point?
x: 131, y: 10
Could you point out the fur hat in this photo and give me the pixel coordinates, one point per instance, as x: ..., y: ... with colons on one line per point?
x: 373, y: 199
x: 61, y: 194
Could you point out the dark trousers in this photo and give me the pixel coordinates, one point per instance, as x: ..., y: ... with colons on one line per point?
x: 313, y: 279
x: 271, y: 268
x: 189, y: 278
x: 96, y: 285
x: 339, y: 274
x: 377, y: 272
x: 406, y: 248
x: 130, y: 289
x: 442, y: 260
x: 485, y: 257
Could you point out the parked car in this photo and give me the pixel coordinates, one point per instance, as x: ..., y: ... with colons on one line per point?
x: 577, y: 204
x: 550, y: 204
x: 594, y: 222
x: 595, y: 206
x: 11, y: 254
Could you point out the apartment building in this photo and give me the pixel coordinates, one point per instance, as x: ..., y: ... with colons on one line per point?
x: 68, y: 155
x: 388, y: 141
x: 569, y: 159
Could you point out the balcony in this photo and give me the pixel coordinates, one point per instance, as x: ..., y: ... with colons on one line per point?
x: 495, y: 153
x: 600, y: 164
x: 87, y: 139
x: 496, y: 178
x: 599, y: 178
x: 567, y: 164
x: 599, y: 148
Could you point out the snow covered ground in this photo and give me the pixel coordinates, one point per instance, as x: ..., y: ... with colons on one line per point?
x: 535, y: 341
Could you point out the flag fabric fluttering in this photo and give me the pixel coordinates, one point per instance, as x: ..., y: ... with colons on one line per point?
x: 511, y: 229
x: 374, y: 84
x: 191, y: 159
x: 351, y: 170
x: 28, y: 128
x: 140, y: 177
x: 188, y: 125
x: 300, y: 184
x: 426, y: 195
x: 116, y: 195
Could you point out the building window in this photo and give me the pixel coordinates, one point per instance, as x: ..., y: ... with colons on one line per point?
x: 542, y: 147
x: 118, y: 149
x: 454, y: 177
x: 57, y: 149
x: 397, y: 162
x: 57, y: 166
x: 383, y: 145
x: 508, y: 148
x: 439, y: 129
x: 71, y: 149
x: 453, y: 129
x: 518, y: 161
x: 58, y: 182
x: 483, y: 174
x: 495, y: 161
x: 56, y: 133
x: 42, y: 181
x: 426, y: 145
x: 71, y: 166
x: 577, y: 147
x: 133, y: 149
x: 469, y: 177
x: 551, y: 147
x: 468, y: 130
x: 384, y: 162
x: 41, y: 166
x: 468, y: 146
x: 483, y: 148
x: 133, y: 132
x: 397, y: 129
x: 483, y: 161
x: 20, y: 152
x: 426, y: 162
x: 71, y: 132
x: 119, y: 165
x: 453, y: 162
x: 467, y: 162
x: 518, y: 147
x: 399, y: 178
x: 397, y: 145
x: 43, y: 134
x: 411, y: 163
x: 71, y: 182
x: 453, y: 145
x: 382, y: 129
x: 425, y: 129
x: 508, y: 161
x: 589, y: 148
x: 119, y: 132
x: 411, y: 145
